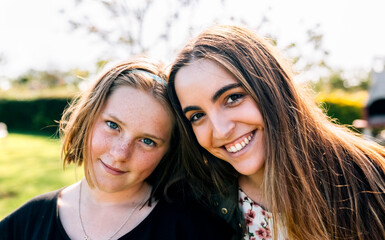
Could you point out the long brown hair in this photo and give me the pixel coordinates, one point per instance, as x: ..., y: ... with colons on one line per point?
x: 79, y: 118
x: 322, y: 180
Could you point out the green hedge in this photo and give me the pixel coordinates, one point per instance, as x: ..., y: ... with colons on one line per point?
x: 41, y: 115
x: 343, y: 106
x: 345, y: 114
x: 36, y: 116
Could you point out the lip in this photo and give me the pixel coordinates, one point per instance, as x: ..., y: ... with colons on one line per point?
x: 240, y: 139
x: 235, y: 154
x: 112, y: 170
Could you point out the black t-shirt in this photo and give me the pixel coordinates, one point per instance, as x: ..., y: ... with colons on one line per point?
x: 39, y: 219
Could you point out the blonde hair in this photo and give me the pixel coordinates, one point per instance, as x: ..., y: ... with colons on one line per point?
x: 321, y: 179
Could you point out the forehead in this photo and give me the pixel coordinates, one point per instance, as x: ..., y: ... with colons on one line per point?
x: 205, y: 68
x: 202, y: 76
x: 138, y: 110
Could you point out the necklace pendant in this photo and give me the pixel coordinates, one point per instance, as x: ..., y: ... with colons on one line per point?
x: 85, y: 238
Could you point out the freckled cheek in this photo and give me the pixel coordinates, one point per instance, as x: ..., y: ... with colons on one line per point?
x: 148, y: 162
x: 98, y: 142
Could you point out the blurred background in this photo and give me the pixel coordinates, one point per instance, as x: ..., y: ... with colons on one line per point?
x: 51, y: 50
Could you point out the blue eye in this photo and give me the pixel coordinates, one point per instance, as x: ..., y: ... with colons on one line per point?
x: 234, y: 98
x: 148, y: 142
x: 112, y: 125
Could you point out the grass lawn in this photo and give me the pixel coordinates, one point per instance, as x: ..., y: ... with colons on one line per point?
x: 30, y: 165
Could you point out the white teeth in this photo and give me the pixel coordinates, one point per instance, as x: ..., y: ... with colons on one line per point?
x: 239, y: 146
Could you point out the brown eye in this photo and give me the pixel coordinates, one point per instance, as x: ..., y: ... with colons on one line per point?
x: 234, y: 98
x: 195, y: 117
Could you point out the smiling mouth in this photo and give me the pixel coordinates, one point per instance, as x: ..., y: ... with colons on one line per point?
x: 112, y: 170
x: 236, y: 147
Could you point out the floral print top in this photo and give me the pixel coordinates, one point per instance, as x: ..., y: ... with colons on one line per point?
x: 257, y: 220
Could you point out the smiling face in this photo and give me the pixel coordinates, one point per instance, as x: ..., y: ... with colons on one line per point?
x: 129, y: 138
x: 224, y: 117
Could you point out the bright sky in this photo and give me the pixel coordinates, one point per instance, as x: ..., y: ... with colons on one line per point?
x: 35, y: 36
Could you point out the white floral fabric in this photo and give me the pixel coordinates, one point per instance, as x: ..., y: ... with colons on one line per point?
x: 257, y: 219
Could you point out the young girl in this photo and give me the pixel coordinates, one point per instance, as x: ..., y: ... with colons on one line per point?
x: 123, y: 130
x: 280, y: 167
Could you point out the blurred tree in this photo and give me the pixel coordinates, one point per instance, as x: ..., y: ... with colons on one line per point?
x: 122, y: 23
x: 75, y: 76
x: 364, y: 83
x: 37, y: 80
x: 310, y: 57
x: 138, y: 27
x: 336, y: 80
x: 34, y: 79
x: 306, y: 53
x: 100, y: 64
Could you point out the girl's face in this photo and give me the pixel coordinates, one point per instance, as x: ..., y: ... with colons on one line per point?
x: 129, y: 138
x: 224, y: 117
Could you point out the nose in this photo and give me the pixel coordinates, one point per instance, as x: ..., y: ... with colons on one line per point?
x: 222, y: 126
x: 121, y: 149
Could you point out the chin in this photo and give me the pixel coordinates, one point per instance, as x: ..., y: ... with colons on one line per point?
x: 246, y: 172
x: 249, y: 170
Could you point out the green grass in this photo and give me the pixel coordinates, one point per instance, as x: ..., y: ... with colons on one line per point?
x: 30, y: 165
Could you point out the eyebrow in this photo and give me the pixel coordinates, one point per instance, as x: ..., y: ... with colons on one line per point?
x: 190, y: 108
x: 224, y: 89
x: 116, y: 119
x: 215, y: 97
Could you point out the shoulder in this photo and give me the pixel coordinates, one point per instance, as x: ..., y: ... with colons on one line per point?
x: 45, y: 197
x: 227, y: 208
x: 185, y: 220
x: 39, y: 201
x: 194, y: 216
x: 30, y: 213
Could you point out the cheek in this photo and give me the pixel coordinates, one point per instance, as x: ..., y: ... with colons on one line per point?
x: 98, y: 141
x: 147, y: 162
x: 261, y: 147
x: 202, y: 135
x: 252, y: 112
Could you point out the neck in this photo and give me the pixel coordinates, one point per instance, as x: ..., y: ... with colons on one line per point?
x: 252, y: 185
x: 128, y: 196
x: 108, y: 209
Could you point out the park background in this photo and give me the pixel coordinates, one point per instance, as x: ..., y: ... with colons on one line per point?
x: 51, y: 50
